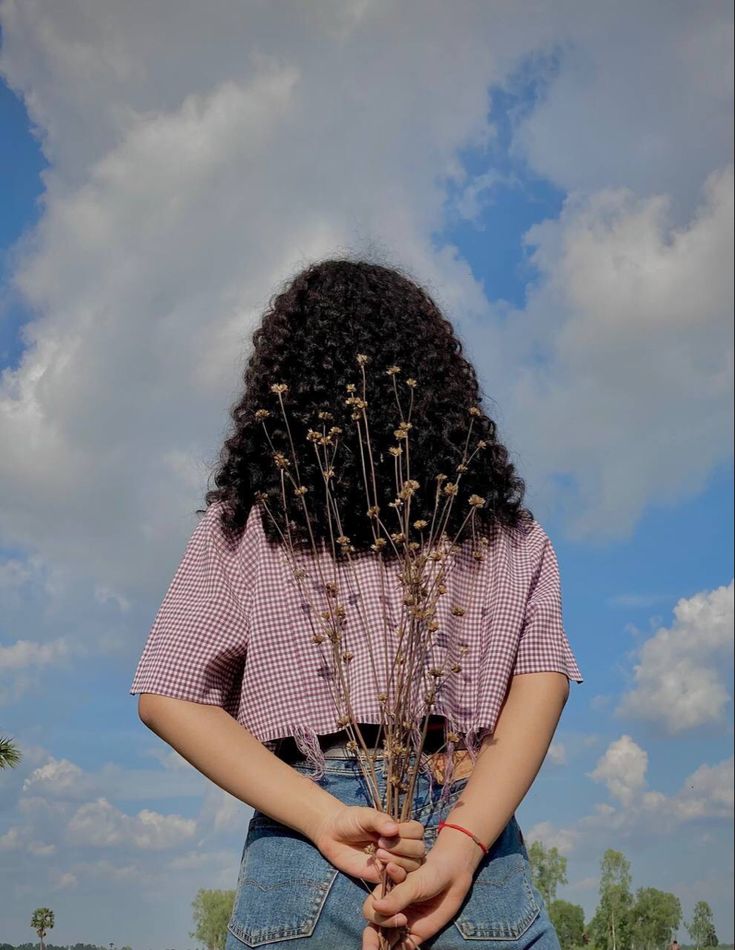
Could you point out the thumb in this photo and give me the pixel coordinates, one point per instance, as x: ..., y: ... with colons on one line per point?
x: 399, y: 896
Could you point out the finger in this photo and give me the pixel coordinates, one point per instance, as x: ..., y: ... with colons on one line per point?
x: 408, y: 864
x: 370, y: 938
x: 406, y: 847
x: 377, y: 822
x: 395, y: 900
x: 396, y: 873
x: 411, y: 829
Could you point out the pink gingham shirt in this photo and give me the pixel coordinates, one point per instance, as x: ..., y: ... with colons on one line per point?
x: 234, y: 631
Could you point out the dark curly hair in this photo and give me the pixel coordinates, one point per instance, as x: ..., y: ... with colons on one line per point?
x: 309, y: 338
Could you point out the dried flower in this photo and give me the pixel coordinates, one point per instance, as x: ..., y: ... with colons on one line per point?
x: 279, y: 388
x: 450, y: 488
x: 300, y: 490
x: 261, y: 414
x: 458, y: 611
x: 395, y: 450
x: 362, y: 359
x: 477, y: 501
x: 420, y: 523
x: 411, y: 382
x: 474, y: 411
x: 281, y: 460
x: 392, y: 370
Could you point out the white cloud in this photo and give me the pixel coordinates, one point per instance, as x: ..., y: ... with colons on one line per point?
x: 680, y: 676
x: 25, y: 653
x: 100, y: 824
x: 622, y: 768
x: 557, y: 753
x: 627, y: 333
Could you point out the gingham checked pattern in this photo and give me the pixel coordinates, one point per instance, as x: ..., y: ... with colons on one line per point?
x: 235, y: 629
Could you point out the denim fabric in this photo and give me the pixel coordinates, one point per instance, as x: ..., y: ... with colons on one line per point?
x: 289, y: 896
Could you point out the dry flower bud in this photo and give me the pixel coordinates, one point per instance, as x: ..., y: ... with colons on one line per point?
x: 323, y: 414
x: 313, y: 436
x: 350, y: 387
x: 432, y: 625
x: 392, y: 370
x: 420, y: 523
x: 458, y: 611
x: 351, y: 745
x: 343, y: 720
x: 347, y: 656
x: 279, y: 388
x: 474, y: 411
x: 481, y: 444
x: 300, y: 490
x: 395, y: 450
x: 450, y: 488
x: 281, y: 460
x: 362, y: 358
x: 373, y: 511
x: 440, y: 477
x: 379, y: 544
x: 318, y: 638
x: 343, y: 539
x: 452, y: 737
x: 261, y: 414
x: 456, y: 668
x: 382, y: 697
x: 411, y: 382
x: 435, y: 671
x: 477, y: 501
x: 461, y: 467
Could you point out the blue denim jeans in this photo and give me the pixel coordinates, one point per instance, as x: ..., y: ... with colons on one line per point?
x: 290, y: 897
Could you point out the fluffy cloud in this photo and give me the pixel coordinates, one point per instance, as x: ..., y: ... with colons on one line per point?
x: 182, y: 191
x: 680, y: 677
x: 100, y: 824
x: 623, y: 769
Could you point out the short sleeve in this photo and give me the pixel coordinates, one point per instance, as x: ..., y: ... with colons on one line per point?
x: 543, y: 644
x: 196, y: 647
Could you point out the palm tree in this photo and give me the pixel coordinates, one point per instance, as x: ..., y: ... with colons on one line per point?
x: 10, y: 754
x: 42, y: 920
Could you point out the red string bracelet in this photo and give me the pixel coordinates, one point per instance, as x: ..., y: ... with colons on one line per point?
x: 447, y: 824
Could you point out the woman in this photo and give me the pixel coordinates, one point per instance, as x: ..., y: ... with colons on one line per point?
x: 232, y: 678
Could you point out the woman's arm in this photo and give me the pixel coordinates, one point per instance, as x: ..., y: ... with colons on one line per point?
x: 231, y: 757
x: 507, y: 764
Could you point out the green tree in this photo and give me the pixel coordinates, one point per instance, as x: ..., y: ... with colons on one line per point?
x: 568, y: 921
x: 10, y: 754
x: 212, y: 910
x: 610, y: 927
x: 702, y: 927
x: 42, y: 921
x: 548, y: 869
x: 656, y: 915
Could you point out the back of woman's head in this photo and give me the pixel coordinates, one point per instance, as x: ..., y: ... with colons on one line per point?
x: 309, y: 340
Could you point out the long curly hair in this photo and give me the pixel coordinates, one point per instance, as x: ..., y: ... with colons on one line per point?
x: 308, y: 339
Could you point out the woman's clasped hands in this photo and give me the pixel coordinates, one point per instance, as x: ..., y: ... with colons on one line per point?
x: 422, y: 901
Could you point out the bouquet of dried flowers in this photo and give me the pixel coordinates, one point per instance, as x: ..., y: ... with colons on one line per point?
x: 411, y: 681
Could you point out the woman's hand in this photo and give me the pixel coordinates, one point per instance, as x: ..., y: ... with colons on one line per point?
x: 421, y: 902
x: 345, y: 833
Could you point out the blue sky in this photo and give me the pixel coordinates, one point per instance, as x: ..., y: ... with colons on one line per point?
x: 563, y: 184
